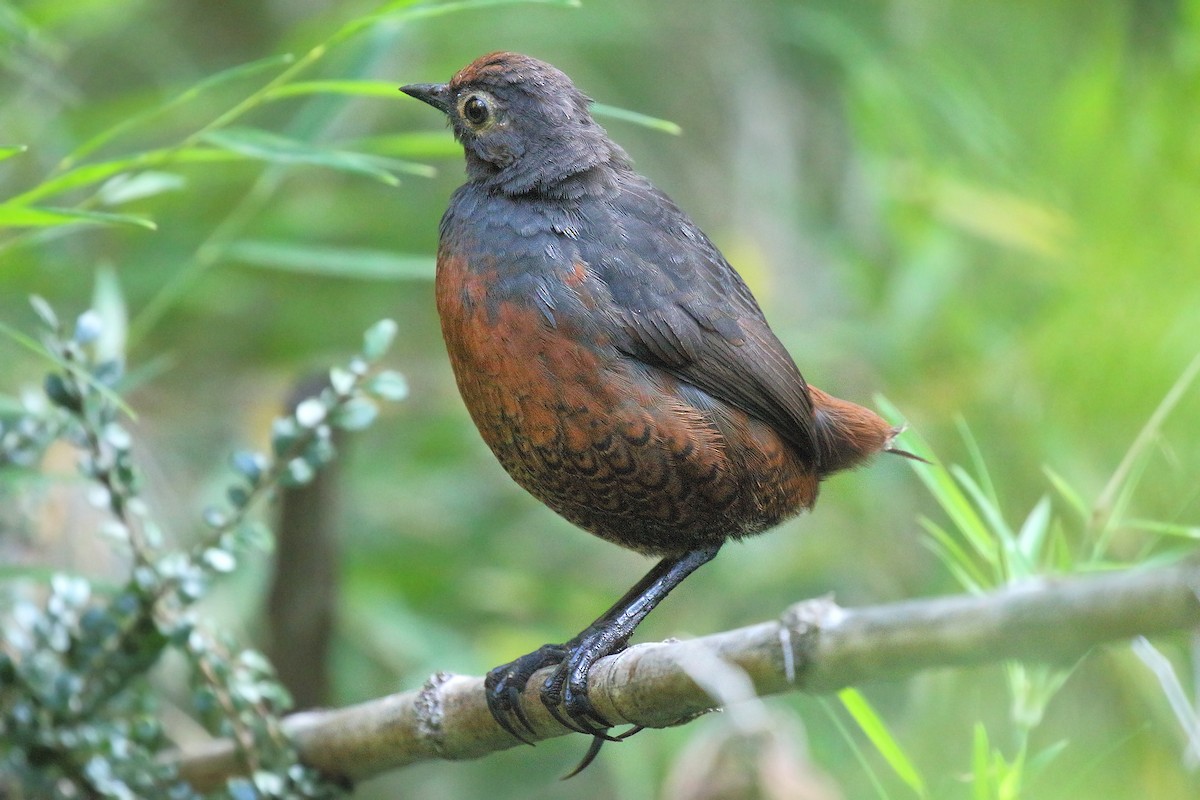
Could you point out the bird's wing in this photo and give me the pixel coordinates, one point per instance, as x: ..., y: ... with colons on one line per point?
x: 683, y: 309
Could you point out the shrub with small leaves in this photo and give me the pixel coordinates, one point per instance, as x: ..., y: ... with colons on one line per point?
x: 77, y: 710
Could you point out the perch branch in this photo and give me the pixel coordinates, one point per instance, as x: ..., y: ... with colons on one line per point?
x: 815, y: 646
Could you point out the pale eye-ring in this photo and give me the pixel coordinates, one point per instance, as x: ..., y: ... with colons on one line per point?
x: 476, y: 110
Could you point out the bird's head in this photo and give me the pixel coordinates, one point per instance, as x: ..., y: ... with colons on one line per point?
x: 522, y: 123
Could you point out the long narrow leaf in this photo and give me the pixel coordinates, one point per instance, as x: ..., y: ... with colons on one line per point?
x: 852, y: 742
x: 18, y: 216
x: 1165, y: 528
x: 999, y: 528
x: 266, y: 146
x: 418, y: 144
x: 90, y: 174
x: 334, y: 262
x: 204, y: 85
x: 941, y: 484
x: 130, y: 186
x: 955, y: 558
x: 408, y: 11
x: 981, y: 764
x: 360, y: 88
x: 978, y: 464
x: 875, y: 730
x: 9, y: 151
x: 1031, y: 539
x: 1065, y: 490
x: 36, y: 348
x: 637, y: 118
x: 1106, y: 503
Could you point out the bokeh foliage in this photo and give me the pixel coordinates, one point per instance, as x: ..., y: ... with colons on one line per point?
x: 985, y: 211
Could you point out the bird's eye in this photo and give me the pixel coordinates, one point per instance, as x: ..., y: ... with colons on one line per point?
x: 476, y: 110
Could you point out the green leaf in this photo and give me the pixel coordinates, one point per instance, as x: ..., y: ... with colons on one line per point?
x: 1165, y: 528
x: 955, y: 558
x: 270, y: 147
x: 8, y: 151
x: 637, y: 118
x: 388, y: 385
x: 870, y: 724
x: 378, y: 338
x: 355, y: 415
x: 360, y: 88
x: 416, y: 144
x: 297, y: 473
x: 1013, y: 564
x: 408, y: 11
x: 852, y: 743
x: 40, y: 351
x: 219, y: 560
x: 980, y: 466
x: 18, y: 216
x: 333, y: 262
x: 1068, y: 493
x: 981, y: 760
x: 44, y: 311
x: 341, y: 380
x: 94, y: 173
x: 109, y: 302
x: 1031, y: 539
x: 177, y: 99
x: 126, y: 187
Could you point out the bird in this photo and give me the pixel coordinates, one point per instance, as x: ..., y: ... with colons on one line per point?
x: 613, y: 360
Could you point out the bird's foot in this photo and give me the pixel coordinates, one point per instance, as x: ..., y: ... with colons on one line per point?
x: 565, y: 692
x: 504, y: 684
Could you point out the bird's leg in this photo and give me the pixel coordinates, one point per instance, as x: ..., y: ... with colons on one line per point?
x: 609, y: 634
x: 565, y: 693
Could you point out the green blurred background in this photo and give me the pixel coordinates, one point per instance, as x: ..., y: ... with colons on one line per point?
x: 985, y: 211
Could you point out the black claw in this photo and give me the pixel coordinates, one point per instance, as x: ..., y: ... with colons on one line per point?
x: 519, y: 713
x: 562, y: 718
x: 503, y: 687
x: 635, y: 729
x: 503, y: 711
x: 588, y: 757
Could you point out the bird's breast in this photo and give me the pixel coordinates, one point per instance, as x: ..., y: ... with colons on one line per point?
x: 615, y: 446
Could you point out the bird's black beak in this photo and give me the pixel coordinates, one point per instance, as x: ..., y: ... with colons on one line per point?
x: 436, y: 94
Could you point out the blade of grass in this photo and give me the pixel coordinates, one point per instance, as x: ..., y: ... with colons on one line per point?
x: 979, y: 466
x: 34, y: 347
x: 1102, y: 509
x: 43, y: 216
x: 1165, y: 528
x: 956, y: 559
x: 276, y: 149
x: 852, y: 742
x: 1032, y: 536
x: 870, y: 724
x: 90, y: 174
x: 981, y: 764
x: 637, y: 118
x: 356, y: 88
x: 186, y: 96
x: 417, y: 144
x: 941, y: 484
x: 1120, y: 502
x: 1065, y: 490
x: 407, y: 11
x: 334, y: 262
x: 1173, y: 691
x: 1012, y: 564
